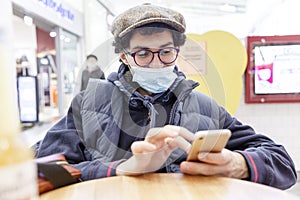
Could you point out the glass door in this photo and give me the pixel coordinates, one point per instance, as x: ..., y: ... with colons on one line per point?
x: 68, y: 57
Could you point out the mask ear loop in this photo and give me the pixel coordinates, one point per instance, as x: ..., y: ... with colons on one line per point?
x: 130, y: 68
x: 122, y: 59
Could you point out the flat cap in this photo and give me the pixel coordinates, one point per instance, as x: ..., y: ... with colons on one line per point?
x: 145, y: 14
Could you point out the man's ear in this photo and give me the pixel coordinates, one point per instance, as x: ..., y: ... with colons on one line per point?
x: 123, y: 58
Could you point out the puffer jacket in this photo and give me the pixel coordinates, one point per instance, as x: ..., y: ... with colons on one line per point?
x: 104, y: 120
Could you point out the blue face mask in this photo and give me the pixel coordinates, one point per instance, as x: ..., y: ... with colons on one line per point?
x: 154, y: 80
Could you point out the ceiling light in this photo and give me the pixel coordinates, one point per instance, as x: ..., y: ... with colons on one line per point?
x: 67, y: 39
x: 109, y: 18
x: 62, y: 37
x: 52, y: 34
x: 28, y: 20
x: 44, y: 61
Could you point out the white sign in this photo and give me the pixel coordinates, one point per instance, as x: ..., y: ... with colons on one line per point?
x: 277, y: 69
x: 193, y: 53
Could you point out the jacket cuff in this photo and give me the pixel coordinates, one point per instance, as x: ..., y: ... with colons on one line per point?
x: 111, y: 170
x: 257, y: 173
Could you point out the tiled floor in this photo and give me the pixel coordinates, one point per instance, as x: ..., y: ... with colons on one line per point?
x: 33, y: 134
x: 36, y: 133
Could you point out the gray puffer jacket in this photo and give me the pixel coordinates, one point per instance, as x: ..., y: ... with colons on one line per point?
x: 104, y: 120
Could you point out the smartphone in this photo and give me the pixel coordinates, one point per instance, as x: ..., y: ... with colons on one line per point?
x: 208, y: 141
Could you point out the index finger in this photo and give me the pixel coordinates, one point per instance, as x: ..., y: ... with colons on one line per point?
x: 183, y: 132
x: 159, y: 134
x: 139, y: 147
x: 179, y: 142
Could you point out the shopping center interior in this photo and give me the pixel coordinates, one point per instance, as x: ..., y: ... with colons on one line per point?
x: 51, y: 39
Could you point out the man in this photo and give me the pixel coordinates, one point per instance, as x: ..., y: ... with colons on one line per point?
x: 143, y: 117
x: 92, y: 70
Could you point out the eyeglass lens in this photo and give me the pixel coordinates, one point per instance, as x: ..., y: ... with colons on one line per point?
x: 144, y: 57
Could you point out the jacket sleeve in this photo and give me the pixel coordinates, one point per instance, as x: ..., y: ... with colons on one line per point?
x: 268, y: 162
x: 63, y: 138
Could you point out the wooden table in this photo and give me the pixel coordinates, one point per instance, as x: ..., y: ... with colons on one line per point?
x: 167, y: 186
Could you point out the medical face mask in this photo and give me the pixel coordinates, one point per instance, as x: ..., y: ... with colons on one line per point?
x: 91, y: 66
x: 154, y: 80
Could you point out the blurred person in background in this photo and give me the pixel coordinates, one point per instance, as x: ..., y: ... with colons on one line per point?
x: 92, y: 70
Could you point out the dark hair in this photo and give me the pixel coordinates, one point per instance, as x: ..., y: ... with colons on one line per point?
x: 91, y: 56
x: 148, y: 29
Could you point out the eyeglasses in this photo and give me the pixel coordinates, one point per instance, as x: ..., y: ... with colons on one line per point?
x: 144, y: 57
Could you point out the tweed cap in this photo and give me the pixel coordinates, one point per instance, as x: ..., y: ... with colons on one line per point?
x: 145, y: 14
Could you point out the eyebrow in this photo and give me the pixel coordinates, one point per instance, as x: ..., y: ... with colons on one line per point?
x: 161, y: 46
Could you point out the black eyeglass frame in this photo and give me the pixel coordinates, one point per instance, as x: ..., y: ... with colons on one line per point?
x: 153, y: 52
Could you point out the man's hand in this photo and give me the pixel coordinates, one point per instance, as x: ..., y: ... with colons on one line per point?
x: 226, y: 163
x: 149, y: 155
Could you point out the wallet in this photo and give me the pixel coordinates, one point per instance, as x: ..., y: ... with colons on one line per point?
x: 54, y: 171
